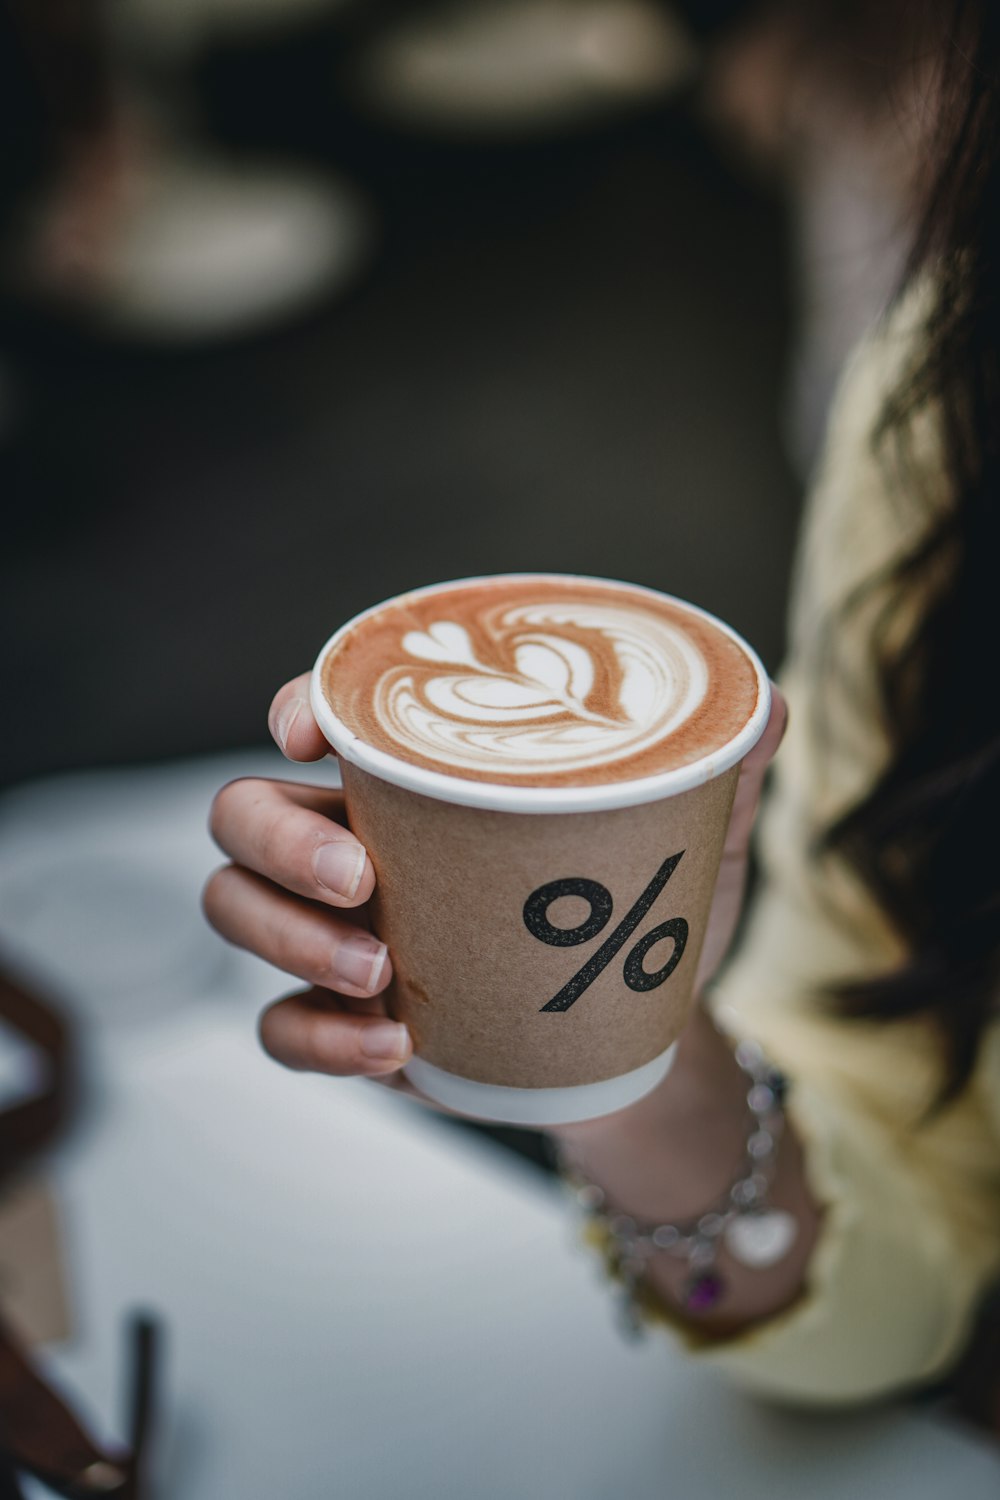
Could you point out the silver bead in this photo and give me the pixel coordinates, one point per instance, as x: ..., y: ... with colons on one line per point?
x: 590, y: 1197
x: 761, y: 1099
x: 623, y: 1227
x: 760, y: 1144
x: 744, y: 1192
x: 665, y: 1236
x: 749, y: 1054
x: 711, y: 1225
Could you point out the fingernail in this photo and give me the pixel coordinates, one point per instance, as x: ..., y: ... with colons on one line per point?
x: 385, y: 1039
x: 360, y: 960
x: 339, y: 867
x: 286, y: 718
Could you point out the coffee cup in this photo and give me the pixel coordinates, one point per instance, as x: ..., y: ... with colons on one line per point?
x: 542, y: 768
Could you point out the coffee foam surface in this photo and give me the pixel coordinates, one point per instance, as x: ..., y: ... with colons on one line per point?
x: 540, y: 681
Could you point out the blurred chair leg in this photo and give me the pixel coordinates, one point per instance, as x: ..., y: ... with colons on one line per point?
x: 146, y: 1342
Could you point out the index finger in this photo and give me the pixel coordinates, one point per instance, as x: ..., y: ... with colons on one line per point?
x: 290, y: 720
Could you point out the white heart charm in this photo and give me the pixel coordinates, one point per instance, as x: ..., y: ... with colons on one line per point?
x: 759, y: 1240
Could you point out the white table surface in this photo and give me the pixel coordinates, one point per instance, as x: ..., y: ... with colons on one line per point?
x: 360, y: 1300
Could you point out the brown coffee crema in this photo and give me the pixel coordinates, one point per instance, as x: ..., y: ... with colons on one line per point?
x: 540, y: 681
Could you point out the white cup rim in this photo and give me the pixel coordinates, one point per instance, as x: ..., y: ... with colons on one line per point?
x: 503, y: 797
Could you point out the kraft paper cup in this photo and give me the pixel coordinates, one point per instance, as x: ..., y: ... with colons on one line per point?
x: 544, y: 941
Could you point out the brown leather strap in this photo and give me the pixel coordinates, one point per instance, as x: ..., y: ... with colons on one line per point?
x: 39, y: 1433
x: 37, y: 1429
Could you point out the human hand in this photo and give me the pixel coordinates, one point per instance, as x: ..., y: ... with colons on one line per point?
x: 295, y: 894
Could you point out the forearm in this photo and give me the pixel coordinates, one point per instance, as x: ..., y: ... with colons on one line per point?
x: 674, y: 1154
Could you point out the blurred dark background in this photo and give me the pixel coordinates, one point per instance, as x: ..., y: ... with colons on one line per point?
x: 560, y: 343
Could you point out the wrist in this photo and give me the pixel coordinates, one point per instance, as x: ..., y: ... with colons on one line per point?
x: 686, y: 1218
x: 673, y: 1149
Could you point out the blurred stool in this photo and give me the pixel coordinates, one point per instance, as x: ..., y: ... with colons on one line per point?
x: 200, y: 247
x: 147, y: 233
x: 516, y: 65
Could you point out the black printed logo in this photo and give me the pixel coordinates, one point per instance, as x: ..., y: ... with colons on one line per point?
x: 536, y: 919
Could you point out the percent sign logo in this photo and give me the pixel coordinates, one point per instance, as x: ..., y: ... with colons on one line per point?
x: 536, y: 919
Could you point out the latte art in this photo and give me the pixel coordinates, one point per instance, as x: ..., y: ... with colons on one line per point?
x: 538, y: 681
x: 537, y: 714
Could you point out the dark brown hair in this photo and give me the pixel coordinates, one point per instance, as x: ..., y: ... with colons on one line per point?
x: 923, y: 838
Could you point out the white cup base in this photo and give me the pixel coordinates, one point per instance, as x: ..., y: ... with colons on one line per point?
x: 516, y: 1106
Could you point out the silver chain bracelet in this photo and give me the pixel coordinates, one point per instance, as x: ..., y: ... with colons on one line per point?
x: 741, y: 1219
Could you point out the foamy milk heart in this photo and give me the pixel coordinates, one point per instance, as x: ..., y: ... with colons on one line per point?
x: 545, y: 681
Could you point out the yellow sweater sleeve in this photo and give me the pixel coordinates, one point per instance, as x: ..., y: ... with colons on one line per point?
x: 911, y: 1228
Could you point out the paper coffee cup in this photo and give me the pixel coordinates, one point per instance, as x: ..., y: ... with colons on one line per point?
x: 544, y: 939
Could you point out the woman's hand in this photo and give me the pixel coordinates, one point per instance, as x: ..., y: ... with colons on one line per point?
x: 295, y: 894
